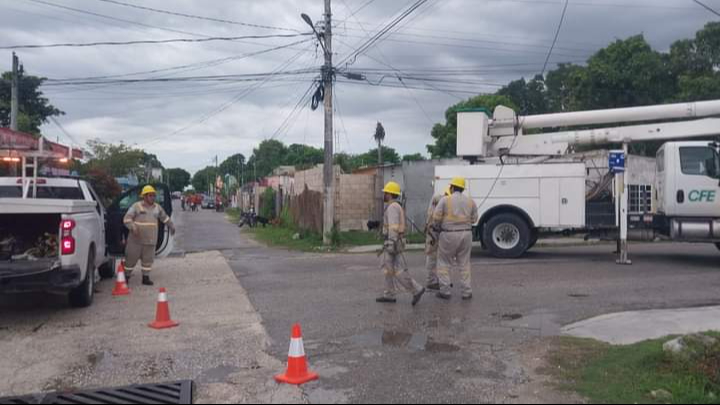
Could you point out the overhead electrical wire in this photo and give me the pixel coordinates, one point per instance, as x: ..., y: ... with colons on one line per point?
x: 198, y: 17
x: 77, y: 10
x: 151, y: 42
x: 708, y: 8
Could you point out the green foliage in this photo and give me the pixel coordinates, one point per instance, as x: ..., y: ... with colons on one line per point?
x: 104, y: 184
x: 628, y: 374
x: 203, y: 179
x: 178, y: 179
x: 304, y: 156
x: 417, y: 157
x: 268, y: 156
x: 389, y: 156
x: 267, y: 204
x: 117, y: 160
x: 35, y: 108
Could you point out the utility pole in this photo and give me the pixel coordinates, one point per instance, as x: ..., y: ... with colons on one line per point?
x: 328, y: 169
x: 14, y: 102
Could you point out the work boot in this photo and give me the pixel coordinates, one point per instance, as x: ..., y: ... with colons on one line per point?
x: 386, y: 300
x: 433, y: 287
x: 443, y: 296
x: 467, y: 297
x: 417, y: 297
x: 146, y: 281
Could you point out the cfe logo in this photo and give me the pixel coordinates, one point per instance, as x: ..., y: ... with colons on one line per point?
x: 707, y: 196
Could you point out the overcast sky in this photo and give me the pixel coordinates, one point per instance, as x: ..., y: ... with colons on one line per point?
x: 485, y: 43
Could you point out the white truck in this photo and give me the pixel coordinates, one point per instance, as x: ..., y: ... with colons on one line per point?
x: 528, y: 185
x: 55, y: 234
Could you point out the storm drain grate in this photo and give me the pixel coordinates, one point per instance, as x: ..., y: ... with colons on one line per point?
x: 171, y: 393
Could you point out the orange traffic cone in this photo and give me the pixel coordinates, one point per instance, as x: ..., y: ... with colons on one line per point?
x: 162, y: 319
x: 297, y: 371
x: 121, y: 287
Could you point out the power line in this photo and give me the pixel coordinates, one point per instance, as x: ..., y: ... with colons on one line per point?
x: 557, y: 35
x: 370, y: 42
x: 198, y: 17
x: 150, y: 42
x: 708, y: 8
x: 114, y: 18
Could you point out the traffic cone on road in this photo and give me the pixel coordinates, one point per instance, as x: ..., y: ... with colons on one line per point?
x: 121, y: 287
x: 162, y: 318
x: 297, y: 371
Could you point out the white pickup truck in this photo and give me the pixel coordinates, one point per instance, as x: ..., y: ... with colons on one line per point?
x: 56, y: 234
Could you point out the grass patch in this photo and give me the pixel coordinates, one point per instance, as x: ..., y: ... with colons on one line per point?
x: 629, y: 374
x: 283, y: 237
x: 279, y: 236
x: 233, y: 215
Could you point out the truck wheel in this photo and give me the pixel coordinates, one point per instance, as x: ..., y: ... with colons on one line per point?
x: 534, y: 239
x: 507, y: 236
x: 83, y: 295
x: 107, y: 270
x: 717, y: 245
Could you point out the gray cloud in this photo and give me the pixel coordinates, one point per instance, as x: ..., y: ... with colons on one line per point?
x: 508, y: 38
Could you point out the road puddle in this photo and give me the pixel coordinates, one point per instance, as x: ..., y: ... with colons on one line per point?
x: 403, y: 340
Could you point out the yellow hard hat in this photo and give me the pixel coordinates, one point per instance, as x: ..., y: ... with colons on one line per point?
x: 392, y: 188
x: 148, y: 190
x: 459, y: 182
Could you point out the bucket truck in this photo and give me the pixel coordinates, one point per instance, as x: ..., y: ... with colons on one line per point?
x: 526, y: 183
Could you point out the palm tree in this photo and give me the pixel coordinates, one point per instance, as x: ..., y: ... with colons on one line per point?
x: 379, y: 138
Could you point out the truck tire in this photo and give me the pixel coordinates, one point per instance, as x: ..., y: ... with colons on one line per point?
x: 107, y: 270
x: 534, y: 239
x: 83, y: 295
x: 717, y: 245
x: 507, y: 236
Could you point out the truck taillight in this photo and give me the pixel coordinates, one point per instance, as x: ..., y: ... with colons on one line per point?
x: 67, y: 242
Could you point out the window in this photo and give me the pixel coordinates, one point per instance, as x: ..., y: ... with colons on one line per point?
x: 700, y: 161
x: 641, y: 199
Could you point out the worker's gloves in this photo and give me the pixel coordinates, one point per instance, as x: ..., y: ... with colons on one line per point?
x: 135, y: 229
x: 394, y: 247
x: 172, y: 229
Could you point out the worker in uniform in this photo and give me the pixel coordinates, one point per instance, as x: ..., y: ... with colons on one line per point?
x: 142, y: 219
x: 454, y: 218
x: 432, y: 242
x: 394, y: 264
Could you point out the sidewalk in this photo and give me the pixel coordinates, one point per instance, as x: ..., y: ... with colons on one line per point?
x: 560, y: 242
x: 628, y: 328
x: 220, y: 343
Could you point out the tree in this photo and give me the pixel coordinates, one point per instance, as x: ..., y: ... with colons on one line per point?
x: 34, y: 108
x: 178, y: 179
x: 268, y: 156
x: 445, y: 135
x: 417, y: 157
x: 236, y: 166
x: 529, y: 96
x: 104, y: 184
x: 379, y: 137
x: 117, y: 160
x: 205, y: 178
x: 389, y: 155
x: 627, y: 73
x: 304, y: 156
x: 560, y: 87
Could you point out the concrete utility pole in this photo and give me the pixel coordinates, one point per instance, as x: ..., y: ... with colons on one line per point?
x: 328, y: 169
x: 14, y: 102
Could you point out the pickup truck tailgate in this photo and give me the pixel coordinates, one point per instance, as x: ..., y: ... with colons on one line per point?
x: 38, y: 206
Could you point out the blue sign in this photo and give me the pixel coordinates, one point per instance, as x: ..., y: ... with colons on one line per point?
x: 617, y: 162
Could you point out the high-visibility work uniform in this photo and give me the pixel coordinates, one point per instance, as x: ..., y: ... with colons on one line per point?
x: 432, y: 243
x: 142, y: 221
x: 455, y: 216
x: 393, y: 263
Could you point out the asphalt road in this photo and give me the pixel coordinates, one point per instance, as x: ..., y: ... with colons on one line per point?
x: 448, y: 351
